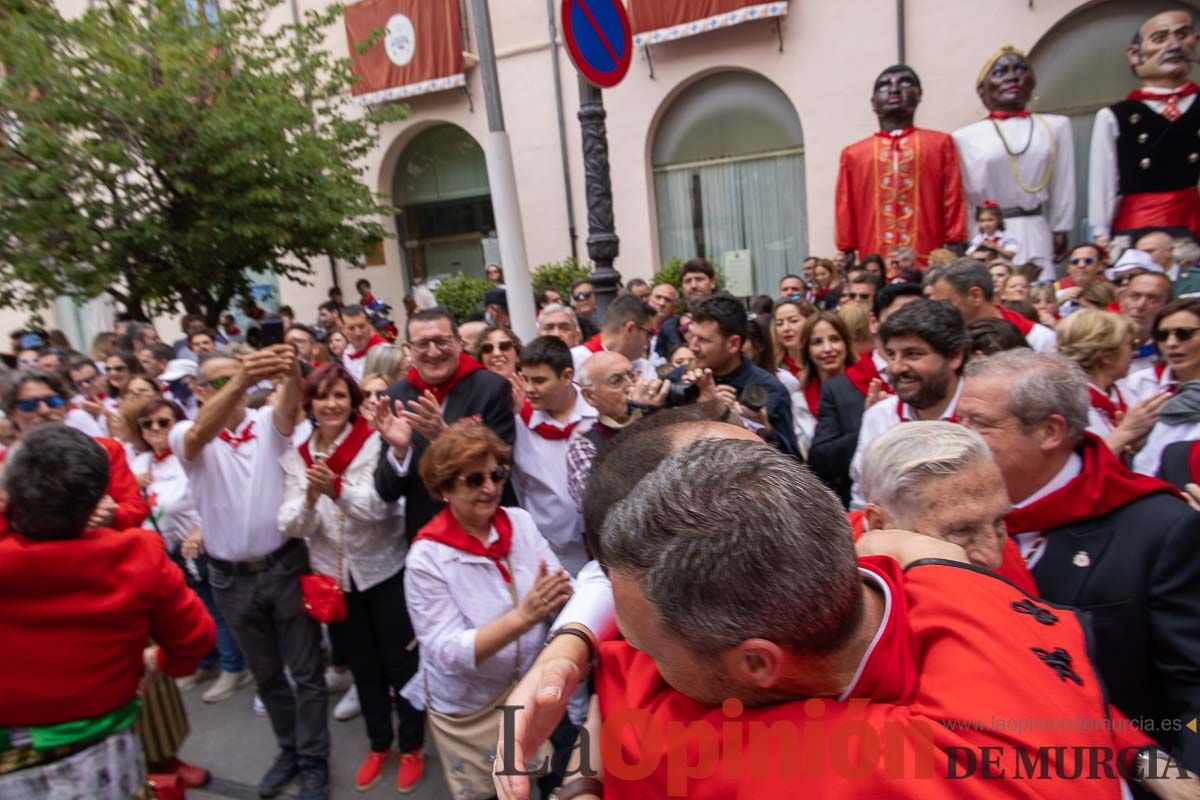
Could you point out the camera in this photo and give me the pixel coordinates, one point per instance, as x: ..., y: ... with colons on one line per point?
x: 754, y: 396
x: 682, y: 393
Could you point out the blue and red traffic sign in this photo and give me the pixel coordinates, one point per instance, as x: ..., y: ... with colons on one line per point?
x: 599, y: 39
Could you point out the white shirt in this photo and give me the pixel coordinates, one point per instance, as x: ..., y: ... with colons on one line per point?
x: 878, y: 419
x: 169, y: 496
x: 540, y: 480
x: 1098, y: 421
x: 238, y: 491
x: 1137, y: 386
x: 580, y: 354
x: 592, y: 604
x: 371, y: 531
x: 451, y: 594
x: 987, y: 175
x: 1103, y: 174
x: 1042, y: 339
x: 804, y: 423
x: 1031, y: 543
x: 83, y: 422
x: 1149, y: 459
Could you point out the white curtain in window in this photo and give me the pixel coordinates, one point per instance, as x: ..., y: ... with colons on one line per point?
x: 673, y: 190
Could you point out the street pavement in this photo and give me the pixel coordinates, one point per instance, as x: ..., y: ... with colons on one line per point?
x: 237, y: 746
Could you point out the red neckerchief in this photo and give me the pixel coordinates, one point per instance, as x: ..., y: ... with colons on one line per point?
x: 863, y: 371
x: 812, y: 394
x: 1104, y: 404
x: 1187, y: 90
x: 445, y: 529
x: 166, y: 454
x: 466, y: 365
x: 239, y: 439
x: 1023, y: 323
x: 1003, y: 115
x: 820, y: 294
x: 1194, y: 462
x: 1103, y: 485
x: 545, y: 429
x: 366, y: 302
x: 594, y: 344
x: 1160, y: 369
x: 339, y: 460
x: 893, y: 137
x: 888, y: 669
x: 375, y: 339
x: 791, y: 366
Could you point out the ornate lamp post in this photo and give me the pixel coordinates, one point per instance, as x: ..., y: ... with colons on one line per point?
x: 603, y: 244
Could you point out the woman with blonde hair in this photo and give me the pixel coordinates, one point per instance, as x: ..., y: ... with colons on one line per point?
x: 787, y: 325
x: 857, y: 317
x: 388, y: 360
x: 1102, y: 344
x: 827, y: 285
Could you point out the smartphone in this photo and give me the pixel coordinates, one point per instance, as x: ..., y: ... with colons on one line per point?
x: 272, y: 332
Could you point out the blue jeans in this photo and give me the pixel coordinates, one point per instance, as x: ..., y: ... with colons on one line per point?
x: 227, y: 650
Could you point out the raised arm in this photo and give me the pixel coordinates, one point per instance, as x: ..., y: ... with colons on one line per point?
x: 220, y: 407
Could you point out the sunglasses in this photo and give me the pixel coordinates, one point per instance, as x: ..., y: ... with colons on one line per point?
x: 31, y: 404
x: 218, y: 382
x: 858, y: 295
x: 27, y: 362
x: 1181, y: 334
x: 582, y: 296
x: 489, y: 347
x: 161, y: 423
x: 475, y: 480
x: 118, y: 368
x: 1085, y: 261
x: 373, y: 394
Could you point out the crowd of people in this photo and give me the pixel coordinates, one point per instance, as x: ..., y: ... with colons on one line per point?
x: 909, y: 493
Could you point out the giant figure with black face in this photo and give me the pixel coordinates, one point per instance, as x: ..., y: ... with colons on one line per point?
x: 1022, y: 161
x: 900, y: 187
x: 1145, y: 160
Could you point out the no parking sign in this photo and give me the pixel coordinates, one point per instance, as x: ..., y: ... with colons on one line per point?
x: 599, y: 39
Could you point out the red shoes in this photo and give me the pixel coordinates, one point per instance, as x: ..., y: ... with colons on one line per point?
x: 412, y: 767
x: 190, y: 777
x: 371, y: 770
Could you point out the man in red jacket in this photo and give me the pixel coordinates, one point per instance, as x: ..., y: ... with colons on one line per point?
x: 77, y: 606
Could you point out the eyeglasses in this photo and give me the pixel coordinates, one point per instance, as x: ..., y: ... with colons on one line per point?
x: 1181, y: 334
x: 581, y: 296
x: 488, y: 348
x: 118, y: 368
x: 621, y: 379
x: 218, y: 382
x: 161, y: 423
x: 1083, y: 261
x: 31, y: 404
x: 442, y: 343
x: 475, y: 479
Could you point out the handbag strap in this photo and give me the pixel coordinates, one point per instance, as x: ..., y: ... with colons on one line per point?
x: 341, y: 542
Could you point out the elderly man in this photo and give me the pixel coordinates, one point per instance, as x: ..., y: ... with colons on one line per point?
x: 1144, y: 297
x: 967, y: 285
x: 626, y: 330
x: 1096, y: 536
x: 664, y: 299
x: 559, y: 320
x: 1161, y: 249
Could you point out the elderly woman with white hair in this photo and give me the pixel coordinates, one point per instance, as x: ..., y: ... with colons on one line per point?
x: 939, y: 479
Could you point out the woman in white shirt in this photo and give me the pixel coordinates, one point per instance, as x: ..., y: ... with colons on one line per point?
x: 482, y: 585
x: 356, y: 537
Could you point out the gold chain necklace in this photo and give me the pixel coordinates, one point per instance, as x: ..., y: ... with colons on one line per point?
x: 1013, y: 164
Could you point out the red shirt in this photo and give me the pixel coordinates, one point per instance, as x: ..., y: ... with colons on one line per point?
x: 123, y: 488
x: 75, y: 616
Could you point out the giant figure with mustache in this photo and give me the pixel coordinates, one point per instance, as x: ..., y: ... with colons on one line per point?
x: 1145, y: 161
x: 1024, y: 162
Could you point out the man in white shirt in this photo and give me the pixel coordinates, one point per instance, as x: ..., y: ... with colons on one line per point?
x: 231, y: 457
x: 1144, y: 165
x: 626, y: 330
x: 967, y: 285
x: 925, y: 343
x: 1145, y: 295
x: 554, y: 409
x: 361, y: 337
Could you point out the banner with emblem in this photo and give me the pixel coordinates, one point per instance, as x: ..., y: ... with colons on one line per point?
x: 655, y: 21
x: 420, y: 50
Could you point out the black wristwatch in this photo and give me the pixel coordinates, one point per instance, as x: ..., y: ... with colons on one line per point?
x: 580, y: 787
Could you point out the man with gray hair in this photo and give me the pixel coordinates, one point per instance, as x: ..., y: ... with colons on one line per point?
x: 967, y: 285
x: 559, y: 320
x: 1096, y: 536
x: 939, y: 478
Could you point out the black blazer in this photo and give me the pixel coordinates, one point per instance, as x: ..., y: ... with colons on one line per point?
x: 1174, y: 468
x: 481, y: 394
x: 1136, y: 570
x: 838, y: 419
x: 668, y: 337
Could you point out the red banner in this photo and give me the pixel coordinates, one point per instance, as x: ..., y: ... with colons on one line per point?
x: 420, y: 50
x: 655, y: 21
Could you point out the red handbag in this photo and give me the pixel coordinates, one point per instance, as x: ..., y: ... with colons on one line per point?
x: 324, y: 599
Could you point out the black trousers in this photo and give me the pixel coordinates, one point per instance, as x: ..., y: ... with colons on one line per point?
x: 376, y: 635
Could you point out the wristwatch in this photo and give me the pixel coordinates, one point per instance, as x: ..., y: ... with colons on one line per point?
x: 1141, y: 764
x: 580, y: 787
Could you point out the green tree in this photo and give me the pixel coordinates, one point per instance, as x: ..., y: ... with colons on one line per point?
x: 559, y: 275
x: 463, y: 294
x: 157, y: 150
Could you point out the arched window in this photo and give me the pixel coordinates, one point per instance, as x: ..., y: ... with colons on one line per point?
x: 1081, y: 67
x: 446, y: 224
x: 728, y: 161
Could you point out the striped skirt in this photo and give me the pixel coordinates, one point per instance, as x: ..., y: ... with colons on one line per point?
x: 162, y: 722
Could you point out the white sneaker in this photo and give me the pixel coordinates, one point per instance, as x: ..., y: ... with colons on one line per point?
x: 200, y: 675
x: 348, y: 707
x: 338, y: 681
x: 225, y: 685
x: 259, y: 708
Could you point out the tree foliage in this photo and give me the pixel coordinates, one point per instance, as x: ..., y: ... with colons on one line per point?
x: 463, y: 295
x: 560, y: 275
x: 157, y: 150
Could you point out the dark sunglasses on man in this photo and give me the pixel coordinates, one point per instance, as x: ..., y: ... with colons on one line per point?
x: 31, y: 404
x: 581, y: 296
x: 1083, y: 261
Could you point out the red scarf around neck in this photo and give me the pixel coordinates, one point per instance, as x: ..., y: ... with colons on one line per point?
x: 1023, y: 323
x: 594, y: 344
x: 863, y: 371
x: 339, y: 460
x: 445, y: 529
x: 1104, y: 404
x: 375, y: 339
x: 544, y: 429
x: 791, y: 366
x: 1103, y: 485
x: 1186, y: 90
x: 156, y: 458
x: 236, y: 440
x: 812, y: 394
x: 1003, y: 115
x: 466, y: 365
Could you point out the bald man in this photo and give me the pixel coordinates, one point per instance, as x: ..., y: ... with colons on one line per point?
x: 1161, y: 248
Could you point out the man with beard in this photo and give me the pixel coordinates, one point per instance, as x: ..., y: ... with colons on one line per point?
x: 901, y: 187
x: 1145, y: 158
x: 1022, y: 161
x: 925, y: 344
